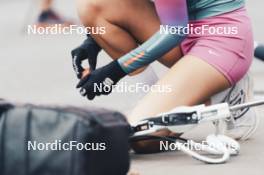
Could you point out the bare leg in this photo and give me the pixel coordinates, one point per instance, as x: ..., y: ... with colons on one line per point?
x: 192, y: 82
x: 128, y: 23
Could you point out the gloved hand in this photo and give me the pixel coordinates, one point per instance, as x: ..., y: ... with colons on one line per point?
x: 101, y: 81
x: 88, y: 50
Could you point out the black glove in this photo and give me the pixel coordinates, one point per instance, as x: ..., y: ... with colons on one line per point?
x: 88, y: 50
x: 101, y: 81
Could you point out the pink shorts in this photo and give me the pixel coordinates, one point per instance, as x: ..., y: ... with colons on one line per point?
x: 226, y: 43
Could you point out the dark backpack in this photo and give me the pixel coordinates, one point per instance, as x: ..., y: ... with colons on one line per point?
x: 26, y: 129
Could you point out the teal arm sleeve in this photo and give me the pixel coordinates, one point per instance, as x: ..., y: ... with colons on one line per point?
x: 154, y: 48
x: 172, y: 13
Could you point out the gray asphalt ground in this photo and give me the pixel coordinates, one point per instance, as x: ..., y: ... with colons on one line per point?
x: 37, y: 69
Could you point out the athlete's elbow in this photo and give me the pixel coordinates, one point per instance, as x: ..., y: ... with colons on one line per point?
x: 183, y: 29
x: 177, y: 39
x: 183, y: 36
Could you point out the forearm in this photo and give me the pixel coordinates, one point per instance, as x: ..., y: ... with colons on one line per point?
x: 158, y: 45
x: 172, y: 13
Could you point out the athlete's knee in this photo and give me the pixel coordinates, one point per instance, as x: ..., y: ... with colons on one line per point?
x: 89, y: 11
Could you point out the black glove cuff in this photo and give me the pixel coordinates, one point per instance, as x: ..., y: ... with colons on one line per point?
x: 116, y: 71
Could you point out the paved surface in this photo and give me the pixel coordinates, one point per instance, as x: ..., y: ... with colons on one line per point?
x: 38, y: 69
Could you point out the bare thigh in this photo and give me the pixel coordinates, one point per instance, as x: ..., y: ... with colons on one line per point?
x: 191, y: 80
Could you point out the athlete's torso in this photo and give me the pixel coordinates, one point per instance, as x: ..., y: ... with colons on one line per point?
x: 199, y: 9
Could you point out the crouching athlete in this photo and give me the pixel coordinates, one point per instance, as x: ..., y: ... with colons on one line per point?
x: 209, y: 66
